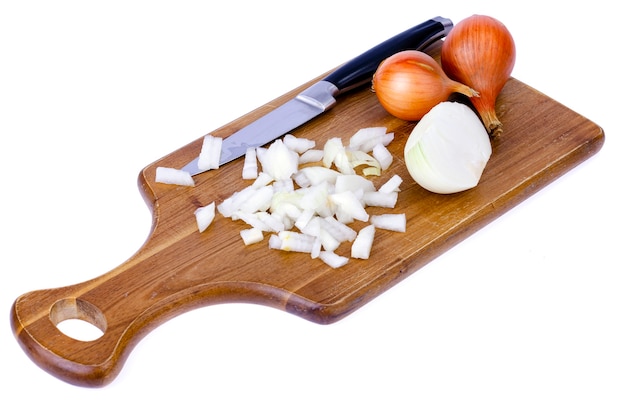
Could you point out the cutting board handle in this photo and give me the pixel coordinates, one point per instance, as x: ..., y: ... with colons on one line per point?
x: 176, y: 270
x: 35, y: 316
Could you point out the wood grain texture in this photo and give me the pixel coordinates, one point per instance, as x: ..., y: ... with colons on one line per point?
x: 179, y: 269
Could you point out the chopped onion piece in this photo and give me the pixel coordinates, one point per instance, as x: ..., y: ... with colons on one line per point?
x: 332, y: 147
x: 301, y: 179
x: 315, y: 197
x: 252, y: 220
x: 260, y: 154
x: 166, y: 175
x: 367, y: 145
x: 285, y: 186
x: 251, y: 235
x: 349, y: 207
x: 338, y: 230
x: 279, y: 161
x: 288, y: 213
x: 287, y: 221
x: 382, y: 155
x: 316, y: 175
x: 313, y: 227
x: 393, y: 222
x: 204, y: 216
x: 287, y: 204
x: 233, y: 203
x: 299, y: 145
x: 210, y: 153
x: 343, y: 162
x: 328, y: 242
x: 353, y: 183
x: 262, y: 180
x: 332, y: 259
x: 362, y: 245
x: 250, y: 169
x: 317, y: 248
x: 359, y: 158
x: 281, y: 199
x: 275, y: 242
x: 335, y: 154
x: 292, y: 241
x: 365, y: 138
x: 260, y: 199
x: 273, y: 222
x: 312, y: 155
x: 380, y: 199
x: 304, y: 218
x: 392, y: 185
x: 371, y: 171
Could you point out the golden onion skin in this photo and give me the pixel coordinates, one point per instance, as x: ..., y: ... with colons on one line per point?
x: 480, y: 52
x: 410, y: 83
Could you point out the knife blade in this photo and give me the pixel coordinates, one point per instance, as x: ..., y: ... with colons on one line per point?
x: 321, y: 96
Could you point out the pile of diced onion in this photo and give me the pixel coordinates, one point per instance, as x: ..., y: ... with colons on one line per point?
x: 307, y: 198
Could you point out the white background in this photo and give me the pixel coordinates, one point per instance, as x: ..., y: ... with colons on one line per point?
x: 527, y: 315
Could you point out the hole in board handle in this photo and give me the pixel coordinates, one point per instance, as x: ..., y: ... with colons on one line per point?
x: 78, y: 319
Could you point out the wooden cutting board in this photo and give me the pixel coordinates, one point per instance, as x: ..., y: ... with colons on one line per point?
x: 179, y: 269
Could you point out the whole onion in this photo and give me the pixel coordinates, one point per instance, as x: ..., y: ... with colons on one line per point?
x: 410, y: 83
x: 479, y: 51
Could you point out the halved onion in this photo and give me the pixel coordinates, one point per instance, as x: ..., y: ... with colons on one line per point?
x: 448, y: 149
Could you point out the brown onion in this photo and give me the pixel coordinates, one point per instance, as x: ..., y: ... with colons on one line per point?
x: 410, y: 83
x: 480, y: 52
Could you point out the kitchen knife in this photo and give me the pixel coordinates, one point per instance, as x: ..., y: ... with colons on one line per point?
x: 319, y: 97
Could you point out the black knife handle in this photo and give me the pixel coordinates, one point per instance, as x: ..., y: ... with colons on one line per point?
x: 360, y: 70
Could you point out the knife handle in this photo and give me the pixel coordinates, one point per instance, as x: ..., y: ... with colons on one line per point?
x: 360, y: 70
